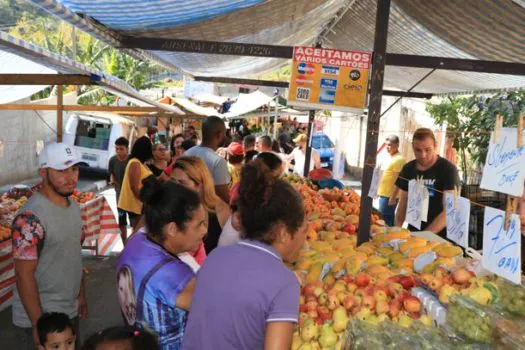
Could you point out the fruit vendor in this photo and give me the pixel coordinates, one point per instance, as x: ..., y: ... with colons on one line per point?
x: 245, y: 296
x: 439, y: 175
x: 47, y: 236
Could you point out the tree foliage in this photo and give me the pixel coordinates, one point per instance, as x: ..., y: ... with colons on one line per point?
x: 469, y: 118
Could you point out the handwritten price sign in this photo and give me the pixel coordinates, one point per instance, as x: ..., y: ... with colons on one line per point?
x: 457, y: 219
x: 505, y: 164
x: 502, y: 249
x: 417, y: 206
x: 374, y: 186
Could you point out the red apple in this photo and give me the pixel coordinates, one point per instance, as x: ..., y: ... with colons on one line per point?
x: 303, y: 308
x: 308, y: 290
x: 319, y: 321
x: 370, y: 290
x: 395, y: 308
x: 324, y: 313
x: 313, y: 314
x: 349, y: 302
x: 341, y: 296
x: 347, y: 278
x: 356, y: 309
x: 310, y: 298
x: 448, y: 280
x: 349, y: 228
x: 462, y: 276
x: 412, y: 304
x: 408, y: 282
x: 333, y: 302
x: 440, y: 272
x: 403, y: 295
x: 369, y: 302
x: 311, y: 305
x: 362, y: 279
x: 361, y: 292
x: 415, y: 315
x: 394, y: 279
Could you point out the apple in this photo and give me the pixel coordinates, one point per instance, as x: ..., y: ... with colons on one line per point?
x: 440, y: 272
x: 394, y: 289
x: 448, y: 280
x: 380, y: 295
x: 435, y: 284
x: 349, y: 302
x: 412, y: 304
x: 303, y: 308
x: 318, y: 291
x: 414, y: 315
x: 408, y: 282
x: 313, y: 314
x: 324, y: 313
x: 361, y: 292
x: 319, y: 321
x: 301, y: 300
x: 322, y: 298
x: 311, y: 305
x: 426, y: 320
x: 426, y: 278
x: 302, y: 318
x: 341, y: 296
x: 403, y: 295
x: 382, y: 307
x: 349, y: 228
x: 395, y: 308
x: 358, y: 300
x: 351, y: 287
x: 362, y: 279
x: 310, y: 298
x: 340, y: 286
x: 333, y: 302
x: 309, y: 290
x: 394, y: 279
x: 369, y: 302
x: 462, y: 276
x: 347, y: 278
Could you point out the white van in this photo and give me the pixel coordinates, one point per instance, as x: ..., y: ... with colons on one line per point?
x: 93, y: 136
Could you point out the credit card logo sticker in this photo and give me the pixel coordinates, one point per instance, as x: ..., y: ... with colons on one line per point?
x: 328, y: 83
x: 330, y: 70
x: 327, y: 96
x: 305, y: 68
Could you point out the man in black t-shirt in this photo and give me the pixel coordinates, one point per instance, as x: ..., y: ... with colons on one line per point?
x: 439, y: 175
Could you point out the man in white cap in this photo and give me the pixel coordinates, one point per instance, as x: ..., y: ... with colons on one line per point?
x: 47, y: 233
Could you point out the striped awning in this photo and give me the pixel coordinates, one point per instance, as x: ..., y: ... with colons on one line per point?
x: 474, y: 29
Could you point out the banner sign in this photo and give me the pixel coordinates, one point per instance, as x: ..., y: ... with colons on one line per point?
x: 329, y: 79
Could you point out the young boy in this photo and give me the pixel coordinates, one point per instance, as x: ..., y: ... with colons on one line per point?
x: 55, y: 332
x: 117, y: 168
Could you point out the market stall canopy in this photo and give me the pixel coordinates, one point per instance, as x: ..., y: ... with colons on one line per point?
x: 210, y: 98
x: 33, y: 59
x: 247, y: 103
x: 195, y: 108
x: 473, y: 29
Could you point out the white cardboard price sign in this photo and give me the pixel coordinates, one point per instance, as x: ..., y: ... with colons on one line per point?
x: 414, y: 207
x: 374, y: 185
x: 502, y: 249
x: 457, y: 219
x: 504, y: 169
x: 425, y: 203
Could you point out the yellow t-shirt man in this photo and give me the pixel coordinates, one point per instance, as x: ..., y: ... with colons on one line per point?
x: 387, y: 183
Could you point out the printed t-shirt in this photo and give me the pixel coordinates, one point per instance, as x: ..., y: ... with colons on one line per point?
x: 149, y: 280
x: 442, y: 176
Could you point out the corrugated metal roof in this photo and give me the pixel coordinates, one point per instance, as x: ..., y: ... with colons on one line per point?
x: 472, y: 29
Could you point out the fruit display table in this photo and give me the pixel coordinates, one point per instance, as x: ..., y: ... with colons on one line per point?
x: 98, y: 219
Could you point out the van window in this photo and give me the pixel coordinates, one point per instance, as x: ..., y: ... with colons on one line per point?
x: 93, y: 135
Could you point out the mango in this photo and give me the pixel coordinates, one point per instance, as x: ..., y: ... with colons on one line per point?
x: 314, y: 273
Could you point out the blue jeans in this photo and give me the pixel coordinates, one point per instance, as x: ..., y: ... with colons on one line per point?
x: 388, y: 211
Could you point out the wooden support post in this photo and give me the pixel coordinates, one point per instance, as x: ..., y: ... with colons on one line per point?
x: 60, y: 112
x: 308, y: 155
x: 374, y: 112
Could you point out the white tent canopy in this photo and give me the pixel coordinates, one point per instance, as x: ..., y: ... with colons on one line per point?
x: 247, y: 103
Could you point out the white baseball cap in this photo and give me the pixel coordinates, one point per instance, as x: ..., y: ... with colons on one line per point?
x: 58, y: 156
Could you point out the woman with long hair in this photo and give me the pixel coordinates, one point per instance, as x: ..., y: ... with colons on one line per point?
x: 193, y: 173
x: 162, y: 283
x: 245, y: 296
x: 136, y: 172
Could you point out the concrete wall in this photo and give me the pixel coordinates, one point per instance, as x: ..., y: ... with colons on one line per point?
x: 20, y: 132
x: 401, y: 120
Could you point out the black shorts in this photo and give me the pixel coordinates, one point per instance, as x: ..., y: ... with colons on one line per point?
x: 123, y: 217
